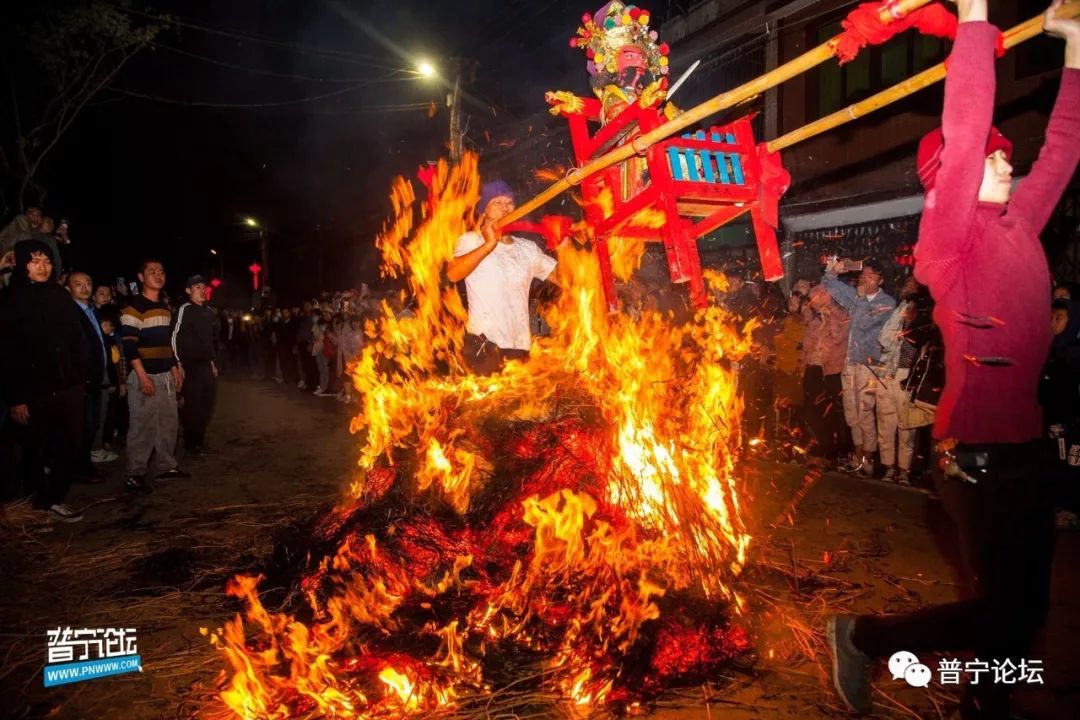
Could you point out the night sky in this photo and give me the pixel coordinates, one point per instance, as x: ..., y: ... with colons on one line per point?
x: 172, y: 174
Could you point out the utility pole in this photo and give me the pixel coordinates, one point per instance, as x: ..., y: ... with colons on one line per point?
x: 319, y: 250
x: 454, y: 101
x: 264, y: 246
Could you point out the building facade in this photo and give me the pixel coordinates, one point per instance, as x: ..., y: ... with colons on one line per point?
x: 854, y: 189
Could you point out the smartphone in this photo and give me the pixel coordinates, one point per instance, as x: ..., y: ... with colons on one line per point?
x: 853, y: 266
x: 134, y: 286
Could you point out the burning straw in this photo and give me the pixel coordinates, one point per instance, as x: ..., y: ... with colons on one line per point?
x: 568, y: 529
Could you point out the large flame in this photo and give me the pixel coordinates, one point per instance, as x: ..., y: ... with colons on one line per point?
x: 661, y: 514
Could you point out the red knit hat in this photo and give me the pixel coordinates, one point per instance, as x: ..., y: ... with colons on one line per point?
x: 928, y: 159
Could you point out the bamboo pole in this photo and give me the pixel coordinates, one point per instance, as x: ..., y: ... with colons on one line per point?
x: 1013, y: 37
x: 723, y: 101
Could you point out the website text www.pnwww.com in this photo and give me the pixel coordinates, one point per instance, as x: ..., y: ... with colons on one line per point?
x: 91, y: 669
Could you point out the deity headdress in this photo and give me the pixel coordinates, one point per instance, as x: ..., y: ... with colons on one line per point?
x: 617, y: 27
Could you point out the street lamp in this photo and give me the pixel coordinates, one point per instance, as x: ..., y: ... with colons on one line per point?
x: 426, y: 69
x: 253, y: 223
x: 221, y: 262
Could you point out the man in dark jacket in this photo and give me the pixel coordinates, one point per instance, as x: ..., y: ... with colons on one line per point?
x: 43, y: 365
x: 195, y: 343
x: 80, y: 285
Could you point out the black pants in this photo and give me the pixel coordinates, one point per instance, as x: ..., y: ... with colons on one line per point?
x: 310, y: 368
x: 485, y: 357
x: 91, y: 420
x: 823, y: 409
x: 54, y: 441
x: 1005, y: 528
x: 116, y: 418
x: 287, y: 361
x: 199, y: 394
x: 755, y: 383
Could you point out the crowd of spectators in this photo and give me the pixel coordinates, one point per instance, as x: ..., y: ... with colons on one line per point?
x: 841, y: 374
x: 96, y: 373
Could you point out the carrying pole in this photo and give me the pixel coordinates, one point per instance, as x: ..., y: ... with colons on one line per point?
x: 723, y: 101
x: 1013, y: 37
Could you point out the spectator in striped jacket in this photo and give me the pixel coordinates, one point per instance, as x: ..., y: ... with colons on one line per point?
x: 154, y: 379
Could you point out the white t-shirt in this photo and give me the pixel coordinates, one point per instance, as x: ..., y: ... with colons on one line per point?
x: 498, y: 289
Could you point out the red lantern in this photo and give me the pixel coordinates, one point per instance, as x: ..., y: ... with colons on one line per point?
x: 255, y: 269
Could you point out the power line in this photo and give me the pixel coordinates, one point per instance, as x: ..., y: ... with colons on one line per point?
x: 265, y: 40
x: 260, y: 71
x: 243, y: 106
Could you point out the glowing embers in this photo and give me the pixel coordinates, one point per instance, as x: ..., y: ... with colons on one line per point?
x: 569, y: 526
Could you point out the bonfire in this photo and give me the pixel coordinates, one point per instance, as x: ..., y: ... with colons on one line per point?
x: 567, y: 531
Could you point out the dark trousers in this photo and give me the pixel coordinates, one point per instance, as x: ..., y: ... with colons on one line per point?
x: 54, y: 440
x: 485, y: 357
x: 91, y: 421
x: 823, y: 409
x: 116, y: 418
x: 287, y: 361
x: 199, y: 394
x: 756, y: 385
x: 310, y: 367
x: 1005, y: 528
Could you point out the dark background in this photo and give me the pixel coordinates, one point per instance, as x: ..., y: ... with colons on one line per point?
x: 298, y: 113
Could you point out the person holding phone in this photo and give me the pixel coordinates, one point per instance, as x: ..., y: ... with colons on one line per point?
x: 979, y: 254
x: 868, y: 306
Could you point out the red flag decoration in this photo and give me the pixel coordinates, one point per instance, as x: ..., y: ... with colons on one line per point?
x: 863, y: 27
x: 553, y: 228
x: 255, y: 269
x: 426, y: 175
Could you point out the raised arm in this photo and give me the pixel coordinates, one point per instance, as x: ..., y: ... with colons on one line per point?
x: 461, y: 266
x: 1038, y: 193
x: 966, y: 119
x: 840, y: 291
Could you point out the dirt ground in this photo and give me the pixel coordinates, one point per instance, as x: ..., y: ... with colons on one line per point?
x: 159, y: 563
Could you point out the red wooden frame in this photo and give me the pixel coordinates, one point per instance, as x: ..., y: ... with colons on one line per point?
x: 691, y: 208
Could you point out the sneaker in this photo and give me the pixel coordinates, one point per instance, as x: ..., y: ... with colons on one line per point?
x: 890, y: 475
x: 174, y: 474
x: 301, y: 385
x: 850, y: 666
x: 63, y: 513
x: 135, y: 483
x: 865, y: 468
x: 904, y: 478
x: 851, y: 464
x: 102, y: 456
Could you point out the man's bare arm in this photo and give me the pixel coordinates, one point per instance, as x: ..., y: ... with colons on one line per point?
x: 462, y: 266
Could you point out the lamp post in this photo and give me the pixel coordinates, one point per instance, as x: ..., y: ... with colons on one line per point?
x: 453, y: 101
x: 264, y: 251
x: 221, y: 262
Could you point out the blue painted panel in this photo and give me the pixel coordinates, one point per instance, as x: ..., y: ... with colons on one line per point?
x: 736, y: 166
x: 676, y: 167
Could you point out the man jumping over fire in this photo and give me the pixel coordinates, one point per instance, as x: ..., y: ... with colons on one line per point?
x: 991, y: 477
x: 498, y: 271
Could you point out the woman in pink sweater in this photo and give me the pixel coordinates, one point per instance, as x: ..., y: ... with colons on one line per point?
x: 980, y: 255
